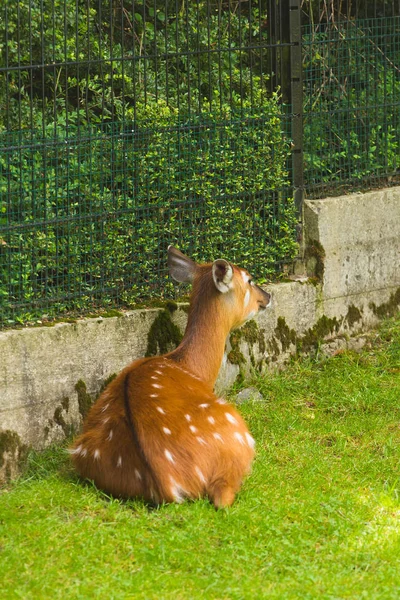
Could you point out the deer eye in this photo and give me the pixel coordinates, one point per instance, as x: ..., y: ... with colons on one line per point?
x: 251, y: 282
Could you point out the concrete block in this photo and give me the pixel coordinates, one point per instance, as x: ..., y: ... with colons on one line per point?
x: 360, y: 237
x: 41, y: 368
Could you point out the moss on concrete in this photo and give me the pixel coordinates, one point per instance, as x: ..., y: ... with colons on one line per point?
x: 58, y: 418
x: 106, y: 382
x: 84, y: 398
x: 284, y: 334
x: 171, y: 306
x: 235, y: 355
x: 285, y: 337
x: 273, y: 349
x: 323, y: 328
x: 312, y: 281
x: 389, y: 308
x: 353, y: 315
x: 163, y: 335
x: 314, y: 257
x: 105, y: 314
x: 10, y: 444
x: 251, y: 334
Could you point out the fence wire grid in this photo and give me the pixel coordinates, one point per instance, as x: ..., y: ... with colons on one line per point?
x: 127, y: 126
x: 351, y: 105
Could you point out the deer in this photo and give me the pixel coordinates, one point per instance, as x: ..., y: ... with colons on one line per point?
x: 158, y: 431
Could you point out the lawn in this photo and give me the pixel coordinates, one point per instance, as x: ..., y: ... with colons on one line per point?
x: 319, y: 517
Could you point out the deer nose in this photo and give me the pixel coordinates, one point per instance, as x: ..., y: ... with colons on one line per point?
x: 266, y: 299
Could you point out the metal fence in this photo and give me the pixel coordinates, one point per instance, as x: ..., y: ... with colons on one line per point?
x: 351, y: 105
x: 126, y: 126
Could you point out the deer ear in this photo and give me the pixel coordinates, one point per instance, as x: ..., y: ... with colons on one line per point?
x: 222, y: 273
x: 181, y: 267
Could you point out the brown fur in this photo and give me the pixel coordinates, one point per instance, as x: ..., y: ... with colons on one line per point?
x: 158, y: 431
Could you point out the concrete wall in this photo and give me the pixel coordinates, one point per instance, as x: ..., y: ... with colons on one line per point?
x: 349, y: 278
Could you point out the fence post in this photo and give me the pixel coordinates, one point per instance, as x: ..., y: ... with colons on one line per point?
x: 296, y: 70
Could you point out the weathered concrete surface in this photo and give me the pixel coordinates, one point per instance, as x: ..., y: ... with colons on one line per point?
x: 49, y: 375
x: 41, y: 367
x: 360, y: 236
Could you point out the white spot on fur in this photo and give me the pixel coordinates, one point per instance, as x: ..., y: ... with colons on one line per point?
x: 157, y: 385
x: 245, y: 277
x: 169, y: 456
x: 178, y: 493
x: 105, y: 420
x: 166, y: 431
x: 201, y: 440
x: 119, y: 462
x: 188, y: 418
x: 211, y: 420
x: 109, y: 438
x: 153, y: 395
x: 158, y: 373
x: 96, y: 454
x: 84, y: 452
x: 76, y: 450
x: 250, y: 440
x: 239, y: 437
x: 105, y: 407
x: 218, y: 437
x: 138, y: 475
x: 221, y: 401
x: 200, y: 475
x: 161, y: 410
x: 231, y: 418
x: 204, y: 405
x: 247, y: 298
x: 192, y: 428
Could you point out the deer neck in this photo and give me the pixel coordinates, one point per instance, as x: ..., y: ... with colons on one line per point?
x: 202, y: 348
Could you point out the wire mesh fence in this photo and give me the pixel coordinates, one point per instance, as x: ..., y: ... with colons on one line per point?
x: 127, y: 126
x: 351, y: 105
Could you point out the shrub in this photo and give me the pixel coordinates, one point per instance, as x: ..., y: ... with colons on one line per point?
x: 120, y: 158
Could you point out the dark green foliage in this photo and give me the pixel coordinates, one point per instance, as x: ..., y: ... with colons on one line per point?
x: 105, y: 162
x: 352, y: 107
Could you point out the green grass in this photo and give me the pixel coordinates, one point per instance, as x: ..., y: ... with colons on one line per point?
x: 318, y: 518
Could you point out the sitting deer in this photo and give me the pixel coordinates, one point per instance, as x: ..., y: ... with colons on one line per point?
x: 158, y: 431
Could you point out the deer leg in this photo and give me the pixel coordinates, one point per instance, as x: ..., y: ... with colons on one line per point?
x: 222, y: 494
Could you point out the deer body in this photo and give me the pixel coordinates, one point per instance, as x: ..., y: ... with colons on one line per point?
x: 158, y: 431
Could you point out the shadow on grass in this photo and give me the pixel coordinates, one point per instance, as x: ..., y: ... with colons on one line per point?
x: 54, y: 463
